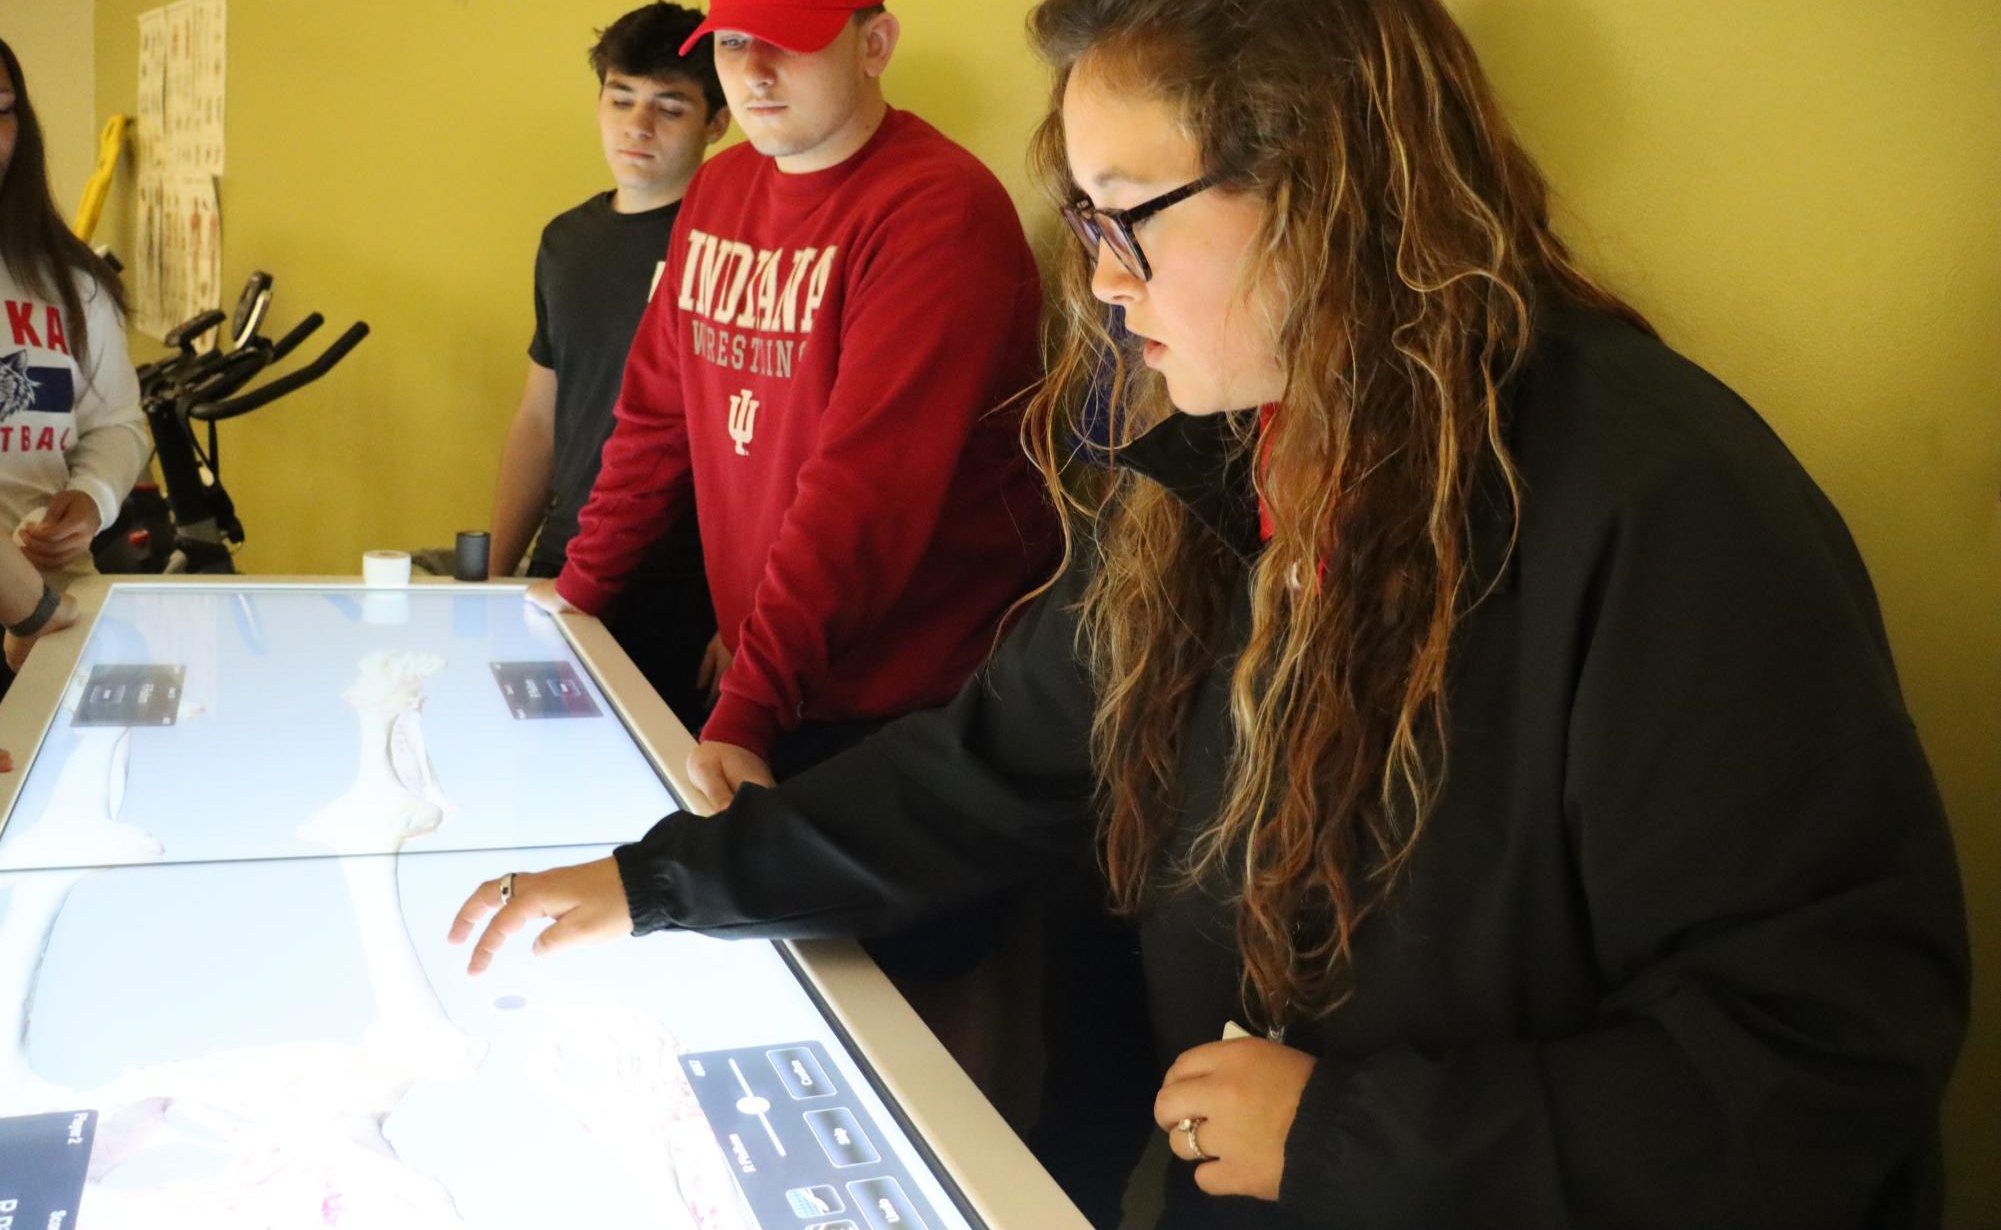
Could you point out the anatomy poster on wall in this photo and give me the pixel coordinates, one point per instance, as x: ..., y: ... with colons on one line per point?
x: 149, y: 127
x: 149, y: 274
x: 179, y: 265
x: 210, y: 71
x: 180, y: 85
x: 178, y: 146
x: 197, y: 219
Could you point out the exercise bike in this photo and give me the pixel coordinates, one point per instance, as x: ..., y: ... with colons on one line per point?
x: 192, y: 526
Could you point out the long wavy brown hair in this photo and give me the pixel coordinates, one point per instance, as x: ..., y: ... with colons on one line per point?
x: 1409, y: 237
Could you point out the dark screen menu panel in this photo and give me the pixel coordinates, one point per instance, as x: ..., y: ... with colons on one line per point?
x: 540, y: 690
x: 804, y: 1151
x: 131, y: 696
x: 43, y: 1160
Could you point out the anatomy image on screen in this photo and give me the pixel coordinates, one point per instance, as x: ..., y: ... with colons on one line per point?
x: 224, y: 972
x: 306, y: 1130
x: 394, y: 799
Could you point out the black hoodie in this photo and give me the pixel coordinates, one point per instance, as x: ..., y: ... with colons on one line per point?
x: 1682, y: 944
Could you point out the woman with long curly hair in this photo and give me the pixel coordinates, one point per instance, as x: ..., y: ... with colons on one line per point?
x: 72, y: 437
x: 1460, y: 690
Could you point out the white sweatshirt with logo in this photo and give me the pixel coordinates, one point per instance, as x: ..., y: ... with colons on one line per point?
x: 65, y: 425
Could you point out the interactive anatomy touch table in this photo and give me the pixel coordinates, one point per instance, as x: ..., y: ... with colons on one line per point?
x: 241, y: 819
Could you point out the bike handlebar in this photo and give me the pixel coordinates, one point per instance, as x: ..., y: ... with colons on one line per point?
x: 225, y: 377
x: 216, y: 411
x: 181, y: 337
x: 300, y: 332
x: 185, y: 369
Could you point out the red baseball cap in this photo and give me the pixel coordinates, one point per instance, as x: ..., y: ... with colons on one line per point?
x: 804, y: 26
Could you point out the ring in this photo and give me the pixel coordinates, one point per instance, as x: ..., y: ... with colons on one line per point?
x: 1187, y: 1128
x: 507, y: 888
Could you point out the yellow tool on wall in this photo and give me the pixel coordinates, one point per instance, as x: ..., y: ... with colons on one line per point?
x: 110, y: 143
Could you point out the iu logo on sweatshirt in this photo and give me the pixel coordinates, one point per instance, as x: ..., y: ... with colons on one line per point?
x: 743, y: 421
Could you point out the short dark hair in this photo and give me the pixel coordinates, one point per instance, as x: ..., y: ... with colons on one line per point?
x: 647, y: 43
x: 873, y: 10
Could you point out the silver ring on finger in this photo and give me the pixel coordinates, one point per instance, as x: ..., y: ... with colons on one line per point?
x: 507, y: 888
x: 1187, y: 1129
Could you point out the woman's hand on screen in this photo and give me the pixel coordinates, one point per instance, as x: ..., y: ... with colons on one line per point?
x: 584, y: 904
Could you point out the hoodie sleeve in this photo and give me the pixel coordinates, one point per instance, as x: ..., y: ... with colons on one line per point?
x: 938, y: 808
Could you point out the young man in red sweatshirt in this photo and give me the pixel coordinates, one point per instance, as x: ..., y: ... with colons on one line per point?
x: 847, y: 315
x: 831, y: 368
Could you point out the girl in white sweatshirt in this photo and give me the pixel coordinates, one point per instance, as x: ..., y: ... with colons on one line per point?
x: 72, y: 437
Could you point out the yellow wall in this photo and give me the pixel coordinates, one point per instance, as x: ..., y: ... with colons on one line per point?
x: 1806, y: 197
x: 53, y: 39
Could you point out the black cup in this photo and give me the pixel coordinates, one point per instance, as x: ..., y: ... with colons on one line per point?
x: 469, y: 564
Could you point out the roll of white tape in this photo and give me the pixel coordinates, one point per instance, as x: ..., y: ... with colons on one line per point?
x: 386, y: 568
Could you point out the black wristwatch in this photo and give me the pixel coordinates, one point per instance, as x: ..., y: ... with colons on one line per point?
x: 38, y: 618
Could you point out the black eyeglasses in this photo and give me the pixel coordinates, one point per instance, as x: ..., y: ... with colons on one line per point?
x: 1113, y: 228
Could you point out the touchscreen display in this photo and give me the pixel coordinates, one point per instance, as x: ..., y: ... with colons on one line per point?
x: 282, y: 723
x: 225, y: 993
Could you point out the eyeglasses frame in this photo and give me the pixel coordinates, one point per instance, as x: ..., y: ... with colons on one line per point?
x: 1087, y: 222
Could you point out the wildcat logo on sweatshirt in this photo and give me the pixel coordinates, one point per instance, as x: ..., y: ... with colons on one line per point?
x: 49, y: 390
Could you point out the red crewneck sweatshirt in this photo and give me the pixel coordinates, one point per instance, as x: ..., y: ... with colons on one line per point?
x: 832, y: 366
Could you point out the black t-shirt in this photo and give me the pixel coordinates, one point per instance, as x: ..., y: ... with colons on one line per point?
x: 594, y: 274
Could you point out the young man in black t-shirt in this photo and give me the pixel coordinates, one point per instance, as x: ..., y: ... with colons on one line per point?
x: 596, y: 269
